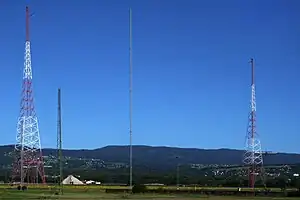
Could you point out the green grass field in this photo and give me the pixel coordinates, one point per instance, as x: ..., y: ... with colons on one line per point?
x: 83, y: 195
x: 93, y: 194
x: 103, y: 187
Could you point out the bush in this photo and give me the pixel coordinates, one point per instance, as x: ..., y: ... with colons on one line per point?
x: 298, y: 184
x: 139, y: 189
x: 293, y: 194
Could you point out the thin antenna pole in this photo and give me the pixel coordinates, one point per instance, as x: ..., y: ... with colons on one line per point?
x: 59, y: 143
x: 252, y: 71
x: 252, y: 180
x: 252, y: 84
x: 27, y: 23
x: 130, y: 94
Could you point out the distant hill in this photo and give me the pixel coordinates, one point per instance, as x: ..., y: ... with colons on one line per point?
x: 164, y: 157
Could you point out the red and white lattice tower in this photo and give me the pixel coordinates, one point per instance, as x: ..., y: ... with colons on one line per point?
x: 253, y: 158
x: 28, y: 166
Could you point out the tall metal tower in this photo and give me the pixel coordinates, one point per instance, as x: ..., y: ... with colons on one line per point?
x: 28, y: 166
x: 253, y: 158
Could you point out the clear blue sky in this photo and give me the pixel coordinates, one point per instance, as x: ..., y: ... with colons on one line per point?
x: 191, y: 72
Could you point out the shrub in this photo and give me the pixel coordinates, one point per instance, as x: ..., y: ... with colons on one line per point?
x: 139, y: 188
x: 24, y: 187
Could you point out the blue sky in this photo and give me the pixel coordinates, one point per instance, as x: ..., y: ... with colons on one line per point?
x: 191, y: 81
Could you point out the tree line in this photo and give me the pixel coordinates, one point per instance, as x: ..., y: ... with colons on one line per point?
x: 121, y: 176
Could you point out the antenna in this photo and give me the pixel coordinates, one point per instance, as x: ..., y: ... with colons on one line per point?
x: 28, y: 163
x: 130, y: 95
x: 252, y: 71
x: 253, y: 158
x: 27, y: 23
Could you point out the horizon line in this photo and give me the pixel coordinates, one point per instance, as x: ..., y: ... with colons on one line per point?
x: 161, y: 146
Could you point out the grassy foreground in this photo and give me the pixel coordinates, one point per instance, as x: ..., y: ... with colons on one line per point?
x: 73, y: 194
x: 104, y: 187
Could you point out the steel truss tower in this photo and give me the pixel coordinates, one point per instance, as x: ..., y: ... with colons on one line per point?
x: 28, y: 166
x: 253, y: 155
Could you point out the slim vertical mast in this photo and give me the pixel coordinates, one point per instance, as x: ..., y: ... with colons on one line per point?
x: 130, y: 94
x: 253, y: 108
x: 59, y: 142
x: 27, y: 24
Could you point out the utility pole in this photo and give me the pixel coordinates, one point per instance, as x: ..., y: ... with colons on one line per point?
x: 59, y: 143
x: 130, y: 95
x: 177, y: 176
x: 177, y: 173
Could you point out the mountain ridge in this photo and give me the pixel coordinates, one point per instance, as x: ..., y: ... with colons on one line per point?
x: 163, y: 157
x: 153, y: 146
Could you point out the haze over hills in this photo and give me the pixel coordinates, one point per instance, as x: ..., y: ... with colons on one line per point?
x: 162, y: 157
